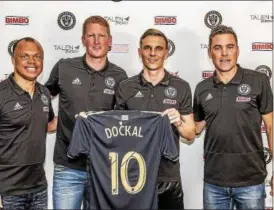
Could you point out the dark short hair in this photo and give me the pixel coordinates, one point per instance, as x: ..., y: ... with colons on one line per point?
x: 153, y: 32
x: 96, y: 20
x: 27, y: 39
x: 221, y: 29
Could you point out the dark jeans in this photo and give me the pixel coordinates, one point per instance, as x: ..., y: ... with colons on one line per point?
x: 170, y: 195
x: 35, y: 201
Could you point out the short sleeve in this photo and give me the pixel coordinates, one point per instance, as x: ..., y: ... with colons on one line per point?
x: 79, y: 143
x: 186, y: 103
x: 53, y: 82
x: 197, y: 107
x: 120, y: 97
x: 266, y: 97
x: 167, y: 146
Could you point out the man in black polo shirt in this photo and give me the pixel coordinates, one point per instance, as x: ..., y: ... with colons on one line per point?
x: 154, y: 89
x: 86, y: 83
x: 231, y: 105
x: 25, y: 116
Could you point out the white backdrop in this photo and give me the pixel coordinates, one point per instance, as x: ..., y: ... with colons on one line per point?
x: 252, y: 22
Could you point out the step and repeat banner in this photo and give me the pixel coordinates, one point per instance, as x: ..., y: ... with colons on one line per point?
x: 58, y: 27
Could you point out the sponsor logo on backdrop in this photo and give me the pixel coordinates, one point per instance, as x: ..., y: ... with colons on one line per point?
x: 264, y: 69
x: 3, y: 77
x: 119, y: 48
x: 204, y: 46
x: 66, y: 20
x: 10, y: 46
x: 67, y: 48
x: 207, y: 74
x: 262, y: 46
x: 171, y: 47
x: 17, y: 20
x: 262, y: 18
x: 165, y: 20
x: 118, y: 20
x: 212, y: 19
x: 267, y: 155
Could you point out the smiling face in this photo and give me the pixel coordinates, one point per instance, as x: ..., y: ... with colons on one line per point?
x: 224, y: 52
x: 96, y: 40
x: 28, y: 60
x: 153, y: 52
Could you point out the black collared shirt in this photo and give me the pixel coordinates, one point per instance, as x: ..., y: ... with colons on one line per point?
x: 80, y: 88
x: 233, y: 113
x: 136, y: 93
x: 23, y: 126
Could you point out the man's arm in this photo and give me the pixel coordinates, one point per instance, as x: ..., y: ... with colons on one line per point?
x: 53, y: 81
x: 184, y: 123
x: 52, y: 125
x: 199, y: 127
x: 187, y: 127
x: 120, y: 103
x: 268, y: 121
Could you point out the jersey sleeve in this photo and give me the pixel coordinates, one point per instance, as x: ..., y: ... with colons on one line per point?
x: 79, y: 144
x: 120, y: 101
x: 197, y: 107
x: 266, y: 97
x: 186, y: 103
x: 167, y: 145
x: 53, y: 81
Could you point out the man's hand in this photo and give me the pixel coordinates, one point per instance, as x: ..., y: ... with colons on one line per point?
x: 174, y: 116
x: 82, y: 114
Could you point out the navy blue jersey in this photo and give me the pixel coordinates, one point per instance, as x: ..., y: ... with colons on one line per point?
x: 124, y: 150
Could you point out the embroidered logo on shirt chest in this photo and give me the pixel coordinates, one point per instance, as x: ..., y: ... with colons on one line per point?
x: 110, y: 82
x: 244, y: 89
x: 170, y: 92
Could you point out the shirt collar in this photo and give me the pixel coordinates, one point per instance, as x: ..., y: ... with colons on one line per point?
x: 164, y: 81
x: 235, y: 80
x: 17, y: 89
x: 90, y: 69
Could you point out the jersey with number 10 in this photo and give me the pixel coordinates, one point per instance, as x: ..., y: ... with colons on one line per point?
x: 124, y: 150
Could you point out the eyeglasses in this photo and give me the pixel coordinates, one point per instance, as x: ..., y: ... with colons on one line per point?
x: 26, y: 57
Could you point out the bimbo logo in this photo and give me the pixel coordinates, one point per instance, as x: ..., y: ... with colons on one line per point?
x: 262, y: 46
x: 17, y: 20
x: 119, y: 48
x: 165, y: 20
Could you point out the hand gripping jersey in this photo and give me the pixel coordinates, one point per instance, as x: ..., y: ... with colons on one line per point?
x: 124, y: 150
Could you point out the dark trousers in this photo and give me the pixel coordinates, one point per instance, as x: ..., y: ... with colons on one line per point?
x: 37, y: 200
x: 170, y: 195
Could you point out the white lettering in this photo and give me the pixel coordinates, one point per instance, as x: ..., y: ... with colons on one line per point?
x: 123, y: 131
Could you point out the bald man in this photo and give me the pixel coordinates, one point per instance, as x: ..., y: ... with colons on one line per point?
x: 25, y: 116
